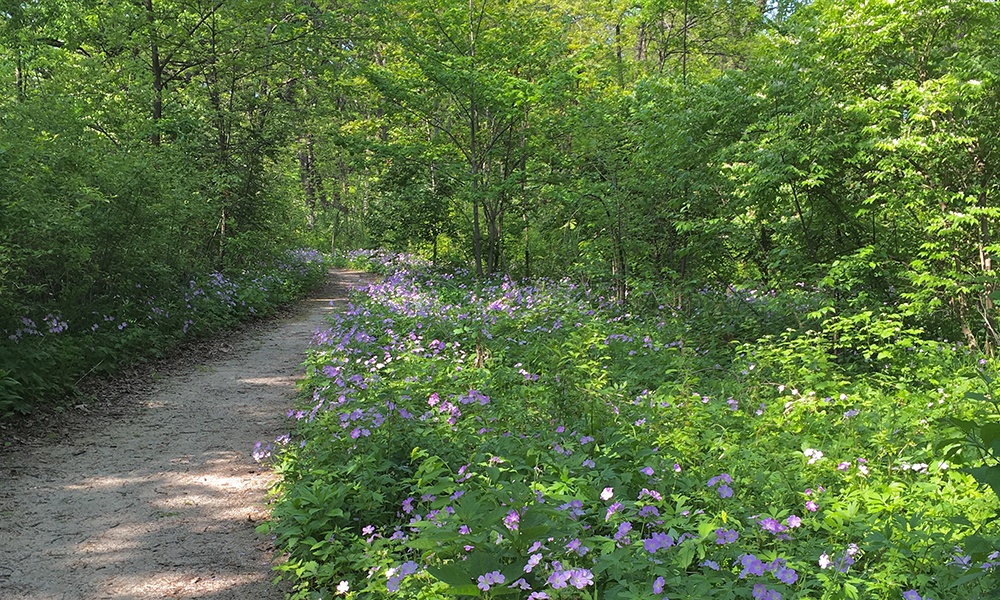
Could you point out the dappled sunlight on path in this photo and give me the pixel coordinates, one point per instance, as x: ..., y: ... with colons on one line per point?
x: 165, y: 504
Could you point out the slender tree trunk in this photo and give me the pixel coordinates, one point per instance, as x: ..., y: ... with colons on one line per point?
x: 307, y: 190
x: 474, y: 158
x: 987, y: 305
x: 477, y: 241
x: 311, y: 180
x: 334, y: 231
x: 493, y: 228
x: 684, y: 51
x: 222, y: 238
x: 19, y: 83
x: 527, y: 246
x: 156, y: 68
x: 807, y: 236
x: 621, y: 281
x: 316, y: 176
x: 619, y: 62
x: 215, y: 99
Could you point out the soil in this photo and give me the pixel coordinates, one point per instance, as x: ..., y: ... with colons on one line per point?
x: 148, y: 489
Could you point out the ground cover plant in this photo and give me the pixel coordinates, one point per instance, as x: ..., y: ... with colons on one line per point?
x: 534, y: 440
x: 99, y: 337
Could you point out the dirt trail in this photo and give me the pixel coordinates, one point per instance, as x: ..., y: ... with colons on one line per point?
x: 163, y: 504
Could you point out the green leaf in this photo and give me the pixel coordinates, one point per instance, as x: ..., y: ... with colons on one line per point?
x: 422, y: 543
x: 469, y: 589
x: 850, y: 591
x: 977, y: 545
x: 988, y: 475
x: 685, y: 556
x: 977, y: 396
x: 468, y: 507
x: 963, y: 424
x: 452, y: 574
x: 990, y: 434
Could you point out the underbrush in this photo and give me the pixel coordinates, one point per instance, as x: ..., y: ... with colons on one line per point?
x: 529, y: 441
x: 45, y: 355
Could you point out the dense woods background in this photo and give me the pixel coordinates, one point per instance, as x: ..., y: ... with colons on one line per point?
x: 773, y: 223
x: 846, y: 147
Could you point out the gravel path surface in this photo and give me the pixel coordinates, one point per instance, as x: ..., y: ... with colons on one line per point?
x: 163, y: 502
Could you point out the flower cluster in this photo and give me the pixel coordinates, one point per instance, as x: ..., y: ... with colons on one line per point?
x: 395, y: 576
x: 724, y: 490
x: 778, y: 529
x: 841, y: 562
x: 490, y: 579
x: 488, y: 456
x: 726, y: 536
x: 578, y: 578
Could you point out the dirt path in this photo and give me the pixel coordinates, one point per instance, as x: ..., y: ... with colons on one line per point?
x: 163, y: 504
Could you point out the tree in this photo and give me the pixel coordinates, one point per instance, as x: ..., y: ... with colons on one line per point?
x: 470, y: 72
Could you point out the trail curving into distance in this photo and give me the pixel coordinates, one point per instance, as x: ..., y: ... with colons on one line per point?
x: 163, y: 504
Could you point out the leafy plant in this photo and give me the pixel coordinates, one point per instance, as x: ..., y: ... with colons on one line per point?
x: 11, y: 402
x: 502, y: 439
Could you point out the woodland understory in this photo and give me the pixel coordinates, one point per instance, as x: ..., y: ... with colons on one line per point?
x: 779, y: 196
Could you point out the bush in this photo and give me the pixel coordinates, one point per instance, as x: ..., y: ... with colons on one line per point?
x: 496, y: 439
x: 45, y: 356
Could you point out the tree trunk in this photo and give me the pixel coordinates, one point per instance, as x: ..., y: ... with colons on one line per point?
x: 527, y: 247
x: 156, y: 68
x: 19, y: 84
x: 475, y: 162
x: 307, y: 190
x: 986, y: 304
x: 621, y: 280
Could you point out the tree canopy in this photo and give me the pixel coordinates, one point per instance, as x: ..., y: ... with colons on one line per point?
x: 845, y: 146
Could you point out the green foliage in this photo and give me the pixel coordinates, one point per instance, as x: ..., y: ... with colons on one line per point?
x: 453, y: 435
x: 146, y: 322
x: 809, y: 184
x: 139, y: 153
x: 11, y: 401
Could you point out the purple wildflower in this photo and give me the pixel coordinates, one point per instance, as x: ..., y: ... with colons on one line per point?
x: 512, y: 520
x: 520, y: 584
x: 723, y: 477
x: 786, y: 575
x: 657, y: 541
x: 751, y: 566
x: 726, y: 536
x: 622, y: 534
x: 658, y: 585
x: 655, y: 495
x: 580, y: 578
x: 489, y: 579
x: 533, y: 561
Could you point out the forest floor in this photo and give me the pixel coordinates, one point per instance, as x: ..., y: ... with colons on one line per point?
x: 149, y: 489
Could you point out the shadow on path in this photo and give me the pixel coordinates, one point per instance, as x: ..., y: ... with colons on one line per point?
x: 163, y: 504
